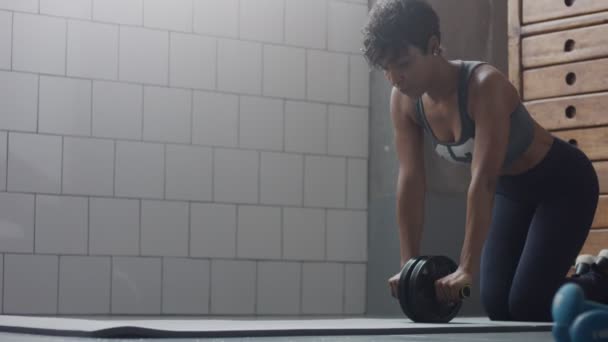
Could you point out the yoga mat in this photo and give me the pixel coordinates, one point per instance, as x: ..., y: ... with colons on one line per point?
x: 167, y: 327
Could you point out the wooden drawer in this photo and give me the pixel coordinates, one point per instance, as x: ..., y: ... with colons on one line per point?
x: 565, y: 46
x: 539, y: 10
x: 601, y: 168
x: 601, y: 213
x: 570, y: 112
x: 596, y: 241
x: 567, y: 79
x: 592, y: 141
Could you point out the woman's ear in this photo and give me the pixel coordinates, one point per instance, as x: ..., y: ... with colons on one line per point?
x: 433, y: 46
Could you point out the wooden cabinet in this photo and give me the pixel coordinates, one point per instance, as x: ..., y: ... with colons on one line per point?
x: 558, y: 61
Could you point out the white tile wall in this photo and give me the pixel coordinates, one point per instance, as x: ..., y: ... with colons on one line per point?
x: 357, y: 184
x: 306, y: 23
x: 284, y: 72
x: 144, y: 55
x: 17, y: 223
x: 3, y: 159
x: 19, y: 101
x: 167, y: 114
x: 217, y: 17
x: 117, y: 102
x: 303, y: 234
x: 261, y: 123
x: 215, y: 119
x: 6, y: 36
x: 235, y: 176
x: 259, y: 232
x: 238, y: 74
x: 158, y: 156
x: 231, y: 277
x: 278, y: 288
x: 61, y: 225
x: 355, y: 287
x: 88, y: 166
x: 212, y: 230
x: 20, y: 5
x: 305, y: 127
x: 136, y: 285
x: 262, y: 20
x: 114, y: 226
x: 345, y: 24
x: 346, y: 236
x: 322, y: 288
x: 164, y: 228
x: 186, y: 286
x: 175, y: 15
x: 128, y: 12
x: 67, y: 8
x: 30, y: 284
x: 324, y: 181
x: 84, y: 285
x: 348, y: 131
x: 327, y: 77
x: 92, y: 50
x: 34, y: 163
x: 281, y: 178
x: 189, y: 173
x: 139, y: 170
x: 359, y: 81
x: 65, y: 106
x: 193, y: 61
x: 35, y: 36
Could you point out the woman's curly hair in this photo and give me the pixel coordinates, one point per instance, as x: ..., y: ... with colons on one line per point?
x: 395, y: 24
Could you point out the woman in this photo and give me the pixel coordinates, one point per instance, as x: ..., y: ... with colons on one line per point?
x: 532, y: 196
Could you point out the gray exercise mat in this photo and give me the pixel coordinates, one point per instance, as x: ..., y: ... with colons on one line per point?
x: 163, y: 327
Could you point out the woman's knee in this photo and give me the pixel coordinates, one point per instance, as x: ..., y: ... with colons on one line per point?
x: 495, y: 303
x: 530, y: 306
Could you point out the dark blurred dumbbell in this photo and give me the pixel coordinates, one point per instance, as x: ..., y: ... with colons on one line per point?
x: 601, y: 261
x: 583, y: 264
x: 568, y: 303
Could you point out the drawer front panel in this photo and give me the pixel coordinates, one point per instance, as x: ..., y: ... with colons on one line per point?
x: 567, y: 79
x: 592, y: 141
x: 566, y: 46
x: 539, y: 10
x: 570, y: 112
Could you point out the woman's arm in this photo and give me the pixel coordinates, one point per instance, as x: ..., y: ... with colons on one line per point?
x: 411, y: 180
x: 492, y: 99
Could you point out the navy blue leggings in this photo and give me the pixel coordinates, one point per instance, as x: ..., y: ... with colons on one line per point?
x: 540, y: 221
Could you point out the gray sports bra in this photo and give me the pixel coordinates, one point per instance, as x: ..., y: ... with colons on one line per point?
x: 521, y: 133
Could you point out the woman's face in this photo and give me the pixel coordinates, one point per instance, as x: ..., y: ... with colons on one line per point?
x: 410, y: 71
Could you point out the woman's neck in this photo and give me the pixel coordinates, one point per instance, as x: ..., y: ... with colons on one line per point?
x: 444, y: 80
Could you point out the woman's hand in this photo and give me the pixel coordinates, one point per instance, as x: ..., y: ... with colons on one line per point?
x: 448, y: 288
x: 393, y: 284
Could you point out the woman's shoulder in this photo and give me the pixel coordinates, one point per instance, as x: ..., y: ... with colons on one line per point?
x: 487, y: 83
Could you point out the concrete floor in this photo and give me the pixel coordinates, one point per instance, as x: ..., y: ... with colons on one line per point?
x: 494, y: 337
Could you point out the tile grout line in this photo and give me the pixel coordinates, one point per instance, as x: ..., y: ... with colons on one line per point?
x: 221, y: 147
x: 343, y: 288
x: 67, y: 27
x: 207, y: 35
x: 58, y: 283
x: 35, y: 224
x: 88, y: 225
x: 209, y: 292
x: 111, y: 282
x: 158, y: 199
x: 162, y: 284
x: 209, y: 90
x: 7, y: 154
x: 3, y: 280
x: 12, y: 43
